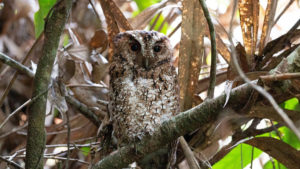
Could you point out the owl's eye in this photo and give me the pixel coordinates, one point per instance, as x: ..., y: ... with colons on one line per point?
x: 157, y: 48
x: 135, y: 47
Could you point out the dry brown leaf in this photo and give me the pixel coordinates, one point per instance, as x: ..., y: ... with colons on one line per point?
x: 249, y: 12
x: 242, y: 59
x: 241, y: 53
x: 191, y: 50
x: 79, y: 53
x: 118, y: 15
x: 277, y: 45
x: 274, y: 61
x: 100, y: 68
x: 66, y: 69
x: 268, y: 24
x: 99, y: 40
x: 86, y: 91
x: 112, y: 26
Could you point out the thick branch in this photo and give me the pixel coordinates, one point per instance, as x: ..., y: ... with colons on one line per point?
x: 181, y: 124
x: 36, y: 115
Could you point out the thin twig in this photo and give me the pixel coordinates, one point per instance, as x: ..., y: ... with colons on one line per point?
x: 165, y: 20
x: 94, y: 9
x: 276, y: 130
x: 282, y: 76
x: 58, y: 132
x: 15, y: 112
x: 13, y: 131
x: 11, y: 163
x: 232, y: 17
x: 188, y: 153
x: 283, y: 11
x: 70, y: 159
x: 16, y: 65
x: 174, y: 30
x: 252, y: 154
x: 155, y: 21
x: 53, y: 146
x: 213, y: 68
x: 23, y: 105
x: 83, y: 109
x: 68, y: 139
x: 87, y: 85
x: 5, y: 93
x: 59, y: 158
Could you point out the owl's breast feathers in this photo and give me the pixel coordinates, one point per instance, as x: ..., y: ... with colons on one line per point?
x: 141, y: 101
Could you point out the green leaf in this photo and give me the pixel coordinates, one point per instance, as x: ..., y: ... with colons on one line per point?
x: 233, y: 159
x: 291, y: 104
x: 85, y: 150
x: 39, y: 16
x: 269, y: 165
x: 158, y: 23
x: 289, y: 137
x: 66, y: 40
x: 142, y: 4
x: 286, y: 135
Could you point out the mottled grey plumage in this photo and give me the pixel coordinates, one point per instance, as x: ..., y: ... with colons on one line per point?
x: 144, y: 87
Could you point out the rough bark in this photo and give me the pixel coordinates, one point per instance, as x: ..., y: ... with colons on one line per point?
x: 54, y: 26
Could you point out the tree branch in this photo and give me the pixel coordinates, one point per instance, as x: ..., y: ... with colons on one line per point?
x: 84, y: 110
x: 188, y: 121
x: 16, y: 65
x: 15, y: 75
x: 54, y: 26
x: 213, y: 68
x: 181, y: 124
x: 280, y: 150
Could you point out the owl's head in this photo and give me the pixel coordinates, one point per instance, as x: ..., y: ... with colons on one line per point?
x: 144, y: 49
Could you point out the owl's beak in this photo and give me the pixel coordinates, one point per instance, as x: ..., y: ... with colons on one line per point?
x: 146, y: 63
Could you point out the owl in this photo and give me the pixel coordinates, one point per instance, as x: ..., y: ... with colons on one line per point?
x: 144, y: 90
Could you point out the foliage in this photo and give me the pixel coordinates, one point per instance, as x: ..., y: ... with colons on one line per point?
x: 239, y: 156
x: 39, y: 16
x: 142, y: 5
x: 291, y: 104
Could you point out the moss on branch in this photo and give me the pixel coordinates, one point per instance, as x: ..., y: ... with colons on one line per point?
x: 36, y: 115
